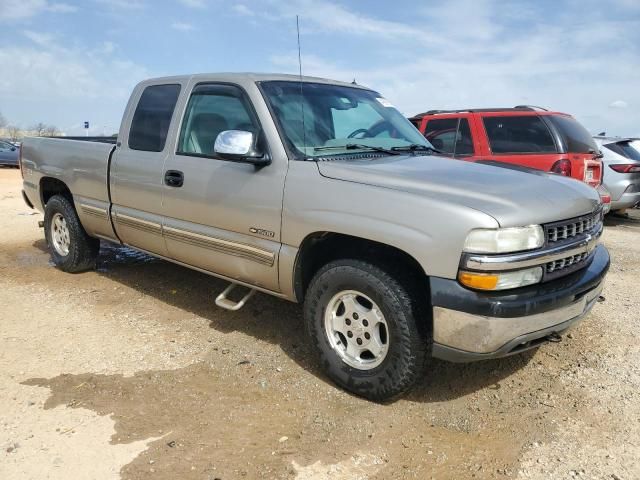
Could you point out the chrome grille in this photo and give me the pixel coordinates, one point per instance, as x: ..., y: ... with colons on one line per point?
x: 564, y: 263
x: 559, y: 231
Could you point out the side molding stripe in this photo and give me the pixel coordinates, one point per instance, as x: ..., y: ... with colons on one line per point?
x: 139, y: 224
x: 225, y: 246
x: 242, y: 250
x: 94, y: 211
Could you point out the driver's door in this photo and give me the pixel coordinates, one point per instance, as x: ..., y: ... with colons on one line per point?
x: 223, y: 217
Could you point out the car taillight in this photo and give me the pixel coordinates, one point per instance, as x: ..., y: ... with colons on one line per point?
x: 626, y: 167
x: 562, y: 167
x: 605, y: 198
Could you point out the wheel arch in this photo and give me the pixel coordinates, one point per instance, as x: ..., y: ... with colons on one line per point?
x: 321, y: 247
x: 50, y: 186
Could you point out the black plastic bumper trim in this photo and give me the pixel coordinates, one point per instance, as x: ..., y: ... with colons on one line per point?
x: 524, y: 301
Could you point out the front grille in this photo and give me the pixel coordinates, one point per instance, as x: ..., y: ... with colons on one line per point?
x: 569, y: 229
x: 567, y: 262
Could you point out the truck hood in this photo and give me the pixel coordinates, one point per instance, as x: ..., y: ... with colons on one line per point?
x: 511, y: 194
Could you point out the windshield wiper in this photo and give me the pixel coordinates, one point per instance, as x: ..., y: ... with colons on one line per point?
x: 357, y: 146
x: 414, y: 147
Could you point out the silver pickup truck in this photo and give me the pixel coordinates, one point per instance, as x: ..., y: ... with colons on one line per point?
x: 321, y: 192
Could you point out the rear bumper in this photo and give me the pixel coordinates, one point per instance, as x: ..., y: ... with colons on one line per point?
x: 626, y: 200
x: 470, y: 325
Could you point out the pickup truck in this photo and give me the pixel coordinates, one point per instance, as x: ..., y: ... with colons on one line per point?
x: 322, y: 193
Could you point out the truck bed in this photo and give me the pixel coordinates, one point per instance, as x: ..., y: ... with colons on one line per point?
x: 82, y: 166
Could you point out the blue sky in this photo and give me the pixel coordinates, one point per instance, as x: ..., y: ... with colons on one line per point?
x: 64, y: 62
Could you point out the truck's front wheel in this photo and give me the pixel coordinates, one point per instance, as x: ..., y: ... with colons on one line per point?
x: 72, y: 250
x: 362, y: 322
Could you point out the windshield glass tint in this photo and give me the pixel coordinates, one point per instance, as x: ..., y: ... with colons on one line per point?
x: 576, y: 138
x: 335, y: 116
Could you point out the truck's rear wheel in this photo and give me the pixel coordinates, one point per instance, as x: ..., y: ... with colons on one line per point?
x: 362, y: 322
x: 72, y: 250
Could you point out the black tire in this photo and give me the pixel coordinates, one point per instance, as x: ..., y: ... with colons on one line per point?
x: 409, y: 342
x: 83, y: 249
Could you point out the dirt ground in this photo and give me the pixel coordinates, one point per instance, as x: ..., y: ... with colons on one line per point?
x: 132, y: 372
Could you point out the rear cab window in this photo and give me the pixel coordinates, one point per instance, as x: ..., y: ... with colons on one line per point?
x: 152, y: 117
x: 518, y: 134
x: 575, y: 137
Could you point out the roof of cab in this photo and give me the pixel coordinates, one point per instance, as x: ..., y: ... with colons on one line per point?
x: 241, y: 77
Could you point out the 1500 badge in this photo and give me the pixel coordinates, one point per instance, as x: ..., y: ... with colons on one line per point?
x: 260, y: 231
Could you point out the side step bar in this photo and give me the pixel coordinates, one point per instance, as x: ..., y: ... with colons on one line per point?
x: 223, y: 301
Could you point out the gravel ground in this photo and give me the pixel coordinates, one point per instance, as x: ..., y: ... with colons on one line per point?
x: 130, y: 371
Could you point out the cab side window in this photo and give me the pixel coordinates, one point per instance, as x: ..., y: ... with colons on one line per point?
x: 211, y: 110
x: 450, y: 135
x: 152, y: 118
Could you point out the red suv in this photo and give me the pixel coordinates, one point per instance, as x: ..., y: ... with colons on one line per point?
x: 523, y: 135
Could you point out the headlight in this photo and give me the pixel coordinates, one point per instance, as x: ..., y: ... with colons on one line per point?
x: 504, y: 240
x: 500, y: 281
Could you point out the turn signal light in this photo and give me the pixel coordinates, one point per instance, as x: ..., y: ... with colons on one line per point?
x: 479, y: 281
x: 502, y: 280
x: 562, y: 167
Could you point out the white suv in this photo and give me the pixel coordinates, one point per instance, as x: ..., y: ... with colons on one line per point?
x: 621, y: 170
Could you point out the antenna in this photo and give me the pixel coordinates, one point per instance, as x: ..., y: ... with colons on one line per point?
x: 304, y: 129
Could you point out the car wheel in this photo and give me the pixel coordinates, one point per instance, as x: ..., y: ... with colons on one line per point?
x: 72, y: 250
x: 362, y: 321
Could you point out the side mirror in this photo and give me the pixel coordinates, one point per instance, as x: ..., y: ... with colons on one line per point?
x: 238, y: 146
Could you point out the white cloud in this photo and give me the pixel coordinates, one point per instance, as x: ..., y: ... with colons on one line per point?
x: 182, y: 26
x: 194, y: 3
x: 62, y: 8
x: 488, y: 55
x: 40, y: 38
x: 107, y: 48
x: 242, y: 9
x: 22, y: 9
x: 328, y: 17
x: 117, y: 5
x: 618, y: 104
x: 62, y: 85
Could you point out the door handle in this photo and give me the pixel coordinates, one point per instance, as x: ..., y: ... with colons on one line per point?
x: 173, y: 178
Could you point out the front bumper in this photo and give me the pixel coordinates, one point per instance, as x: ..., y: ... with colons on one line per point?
x: 470, y: 325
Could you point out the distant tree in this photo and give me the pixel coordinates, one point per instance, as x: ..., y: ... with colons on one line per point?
x: 3, y: 121
x: 14, y: 132
x: 51, y: 131
x: 39, y: 129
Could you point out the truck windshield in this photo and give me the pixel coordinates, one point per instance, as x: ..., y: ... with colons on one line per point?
x: 331, y: 120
